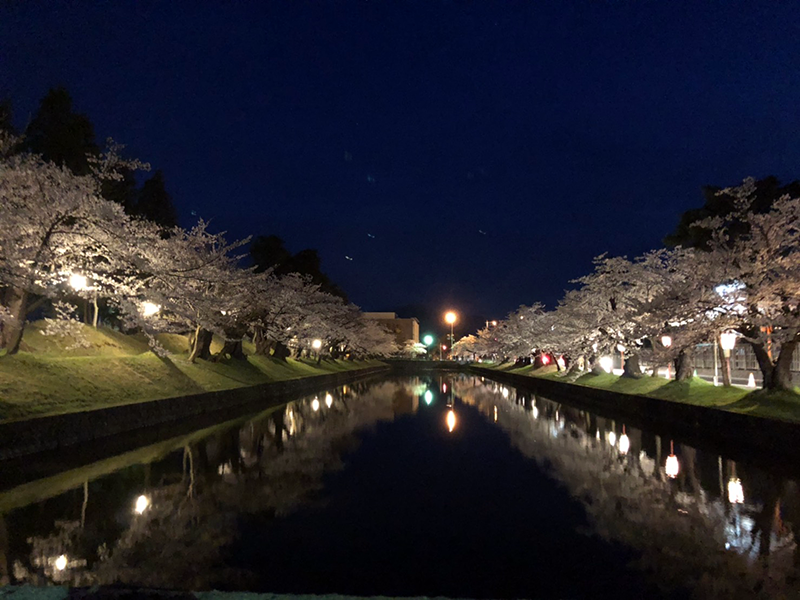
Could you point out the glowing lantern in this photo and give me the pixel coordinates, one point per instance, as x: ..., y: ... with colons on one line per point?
x: 315, y: 405
x: 78, y: 283
x: 149, y: 309
x: 666, y: 341
x: 606, y: 363
x: 612, y: 438
x: 61, y: 562
x: 316, y: 344
x: 428, y: 397
x: 328, y: 400
x: 545, y: 359
x: 727, y: 340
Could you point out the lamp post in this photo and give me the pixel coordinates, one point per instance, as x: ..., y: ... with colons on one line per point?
x: 666, y: 341
x: 727, y: 340
x: 316, y: 345
x: 79, y: 283
x: 451, y: 317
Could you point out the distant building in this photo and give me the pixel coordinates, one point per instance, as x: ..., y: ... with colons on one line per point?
x: 403, y: 329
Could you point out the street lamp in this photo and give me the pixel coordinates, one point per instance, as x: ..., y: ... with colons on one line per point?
x: 428, y: 339
x: 666, y: 341
x: 451, y: 317
x: 727, y: 340
x: 78, y: 282
x: 149, y: 309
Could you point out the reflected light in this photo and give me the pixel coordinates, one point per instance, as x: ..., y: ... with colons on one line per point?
x: 624, y: 444
x: 428, y: 397
x: 612, y: 438
x: 444, y: 388
x: 505, y: 392
x: 61, y: 562
x: 142, y: 502
x: 451, y: 420
x: 328, y: 400
x: 735, y: 491
x: 535, y: 412
x: 495, y: 414
x: 671, y: 467
x: 315, y: 405
x: 606, y: 363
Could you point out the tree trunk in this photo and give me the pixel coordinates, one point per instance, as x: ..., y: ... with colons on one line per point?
x: 16, y: 301
x: 684, y: 365
x: 782, y: 375
x: 574, y: 366
x: 632, y: 367
x: 281, y: 351
x: 232, y: 348
x: 262, y: 344
x: 201, y: 344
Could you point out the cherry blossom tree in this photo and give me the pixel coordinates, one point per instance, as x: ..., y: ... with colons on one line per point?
x: 760, y: 269
x: 52, y: 223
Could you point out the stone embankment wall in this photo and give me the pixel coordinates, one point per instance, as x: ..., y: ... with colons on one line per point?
x: 169, y: 415
x: 740, y: 435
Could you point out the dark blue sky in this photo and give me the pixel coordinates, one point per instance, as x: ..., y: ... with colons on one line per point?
x: 561, y: 130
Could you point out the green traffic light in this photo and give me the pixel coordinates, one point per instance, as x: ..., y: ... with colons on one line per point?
x: 427, y: 340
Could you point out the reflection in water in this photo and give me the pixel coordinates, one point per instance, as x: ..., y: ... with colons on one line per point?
x: 182, y: 509
x: 169, y: 522
x: 688, y: 526
x: 451, y: 420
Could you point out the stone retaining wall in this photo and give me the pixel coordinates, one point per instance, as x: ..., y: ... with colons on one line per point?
x: 40, y: 434
x: 739, y: 434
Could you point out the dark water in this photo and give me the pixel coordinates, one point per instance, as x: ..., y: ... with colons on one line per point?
x: 447, y: 486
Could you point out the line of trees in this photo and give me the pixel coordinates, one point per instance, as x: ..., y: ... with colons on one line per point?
x: 738, y: 271
x: 68, y: 227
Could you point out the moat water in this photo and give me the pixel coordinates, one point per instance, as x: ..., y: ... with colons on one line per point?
x: 447, y: 485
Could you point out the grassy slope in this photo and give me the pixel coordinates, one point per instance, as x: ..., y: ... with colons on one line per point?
x: 773, y: 405
x: 44, y: 378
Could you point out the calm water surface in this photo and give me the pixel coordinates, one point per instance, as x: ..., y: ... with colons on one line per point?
x: 448, y: 485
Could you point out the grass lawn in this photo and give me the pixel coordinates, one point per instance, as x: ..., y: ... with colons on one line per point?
x: 44, y: 378
x: 774, y: 405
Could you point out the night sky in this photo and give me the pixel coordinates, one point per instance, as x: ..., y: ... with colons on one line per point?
x: 491, y: 149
